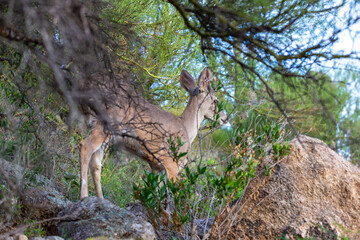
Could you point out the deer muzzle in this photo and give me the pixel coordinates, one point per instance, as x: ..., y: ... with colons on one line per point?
x: 223, y: 119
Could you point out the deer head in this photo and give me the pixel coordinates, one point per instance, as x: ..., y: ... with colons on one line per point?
x: 203, y: 103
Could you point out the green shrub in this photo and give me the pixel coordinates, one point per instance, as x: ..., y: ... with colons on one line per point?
x: 118, y: 176
x: 202, y: 191
x: 34, y: 229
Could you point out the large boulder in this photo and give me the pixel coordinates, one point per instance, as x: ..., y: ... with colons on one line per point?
x: 94, y: 217
x: 312, y: 193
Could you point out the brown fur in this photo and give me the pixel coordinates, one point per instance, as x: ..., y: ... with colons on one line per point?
x: 143, y: 129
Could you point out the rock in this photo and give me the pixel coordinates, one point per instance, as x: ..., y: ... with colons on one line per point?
x: 8, y: 238
x: 37, y: 195
x: 94, y: 217
x: 138, y: 210
x: 20, y: 236
x: 17, y: 236
x: 312, y: 193
x: 41, y: 204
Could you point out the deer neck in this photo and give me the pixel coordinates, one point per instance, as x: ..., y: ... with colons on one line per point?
x: 192, y: 117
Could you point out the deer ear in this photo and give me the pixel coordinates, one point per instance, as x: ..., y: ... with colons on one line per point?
x: 187, y: 82
x: 205, y: 79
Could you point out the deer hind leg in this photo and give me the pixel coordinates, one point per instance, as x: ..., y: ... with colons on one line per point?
x: 88, y: 147
x: 95, y: 167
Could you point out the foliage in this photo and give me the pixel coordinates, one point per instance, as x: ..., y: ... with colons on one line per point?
x: 202, y: 191
x: 119, y: 177
x: 72, y: 186
x: 273, y: 60
x: 164, y: 48
x: 11, y: 210
x: 280, y: 52
x: 175, y: 146
x: 270, y: 37
x: 33, y: 130
x: 302, y: 108
x: 34, y: 230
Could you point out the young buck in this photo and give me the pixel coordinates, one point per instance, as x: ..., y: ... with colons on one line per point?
x: 145, y: 130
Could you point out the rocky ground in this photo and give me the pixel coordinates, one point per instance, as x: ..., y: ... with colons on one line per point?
x: 312, y: 193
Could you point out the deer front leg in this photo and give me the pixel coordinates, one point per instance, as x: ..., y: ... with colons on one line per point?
x: 85, y: 155
x: 95, y: 167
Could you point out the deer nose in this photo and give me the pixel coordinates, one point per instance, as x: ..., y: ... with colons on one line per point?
x: 223, y: 119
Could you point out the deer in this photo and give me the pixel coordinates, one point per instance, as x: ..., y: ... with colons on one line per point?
x: 144, y: 130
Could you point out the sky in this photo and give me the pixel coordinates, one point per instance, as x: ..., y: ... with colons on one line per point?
x: 349, y: 41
